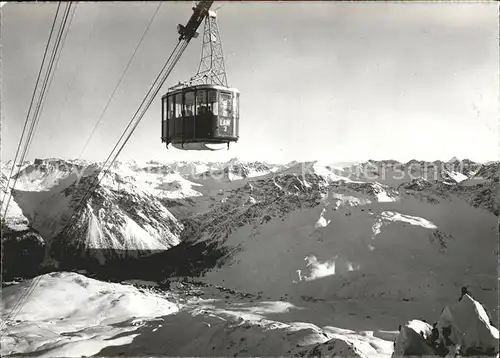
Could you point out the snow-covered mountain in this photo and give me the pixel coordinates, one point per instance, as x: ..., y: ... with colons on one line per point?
x: 308, y: 231
x: 463, y: 329
x: 487, y: 171
x: 83, y: 316
x: 347, y: 236
x: 119, y: 218
x: 139, y: 207
x: 392, y: 172
x: 369, y: 246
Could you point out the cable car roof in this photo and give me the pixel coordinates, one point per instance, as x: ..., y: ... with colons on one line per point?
x: 183, y: 88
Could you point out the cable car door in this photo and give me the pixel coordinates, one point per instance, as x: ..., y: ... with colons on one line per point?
x: 225, y: 125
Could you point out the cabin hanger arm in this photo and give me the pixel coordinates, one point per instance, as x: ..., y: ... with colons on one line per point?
x: 200, y: 11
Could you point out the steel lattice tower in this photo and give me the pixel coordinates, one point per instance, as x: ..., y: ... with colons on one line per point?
x: 211, y: 69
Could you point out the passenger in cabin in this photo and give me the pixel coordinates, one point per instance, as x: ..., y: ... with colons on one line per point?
x: 202, y: 109
x: 188, y: 113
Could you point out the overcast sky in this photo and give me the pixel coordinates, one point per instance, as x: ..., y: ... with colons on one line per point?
x: 318, y: 80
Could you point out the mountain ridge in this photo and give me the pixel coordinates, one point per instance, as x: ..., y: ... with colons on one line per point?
x: 147, y: 209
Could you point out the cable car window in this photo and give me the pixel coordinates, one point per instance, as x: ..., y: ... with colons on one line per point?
x: 236, y: 101
x: 171, y: 107
x: 189, y: 103
x: 178, y: 105
x: 201, y: 102
x: 164, y: 108
x: 212, y: 103
x: 226, y: 105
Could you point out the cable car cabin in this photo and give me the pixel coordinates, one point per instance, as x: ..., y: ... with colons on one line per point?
x: 200, y: 117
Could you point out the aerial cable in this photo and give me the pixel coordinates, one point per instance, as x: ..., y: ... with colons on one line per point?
x: 48, y: 76
x: 19, y: 304
x: 63, y: 23
x: 32, y: 100
x: 152, y: 98
x: 96, y: 180
x: 41, y: 99
x: 57, y: 62
x: 82, y: 59
x: 121, y: 78
x: 176, y: 55
x: 145, y: 109
x: 46, y: 83
x: 143, y: 112
x: 162, y: 76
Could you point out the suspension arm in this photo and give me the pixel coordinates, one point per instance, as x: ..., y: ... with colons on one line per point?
x: 199, y: 12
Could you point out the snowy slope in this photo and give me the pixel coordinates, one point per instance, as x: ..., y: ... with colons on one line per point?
x: 70, y: 315
x: 327, y: 262
x: 483, y: 194
x: 38, y: 177
x: 470, y: 326
x: 158, y: 179
x: 393, y: 173
x: 311, y: 235
x: 14, y: 217
x: 463, y: 329
x: 121, y: 221
x: 45, y: 174
x: 210, y: 188
x: 487, y: 171
x: 118, y: 218
x: 359, y: 246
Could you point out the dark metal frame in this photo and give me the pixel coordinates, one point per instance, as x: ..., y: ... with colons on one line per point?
x: 212, y: 69
x: 211, y: 75
x: 168, y: 125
